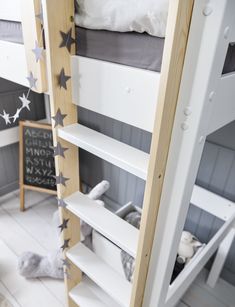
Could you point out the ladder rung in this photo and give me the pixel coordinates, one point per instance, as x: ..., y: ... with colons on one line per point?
x: 104, y: 221
x: 88, y: 294
x: 101, y: 273
x: 122, y: 155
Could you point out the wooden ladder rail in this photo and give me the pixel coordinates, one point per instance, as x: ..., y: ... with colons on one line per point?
x: 179, y: 17
x: 59, y: 16
x: 32, y: 33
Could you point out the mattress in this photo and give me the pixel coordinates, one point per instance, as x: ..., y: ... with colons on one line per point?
x: 132, y: 49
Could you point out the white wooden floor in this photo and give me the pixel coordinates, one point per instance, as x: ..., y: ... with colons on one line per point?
x: 33, y: 230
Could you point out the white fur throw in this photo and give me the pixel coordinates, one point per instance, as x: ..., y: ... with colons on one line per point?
x: 124, y: 15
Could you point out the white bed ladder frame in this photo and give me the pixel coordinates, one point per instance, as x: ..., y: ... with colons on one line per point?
x: 199, y: 87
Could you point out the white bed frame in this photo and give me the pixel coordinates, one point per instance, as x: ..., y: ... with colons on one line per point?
x: 205, y: 103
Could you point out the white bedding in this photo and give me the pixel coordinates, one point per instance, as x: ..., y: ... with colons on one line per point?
x: 124, y: 15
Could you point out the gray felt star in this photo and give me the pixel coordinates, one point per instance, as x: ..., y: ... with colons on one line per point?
x: 64, y: 225
x: 59, y: 118
x: 61, y: 203
x: 38, y: 51
x: 17, y: 114
x: 67, y: 39
x: 63, y: 79
x: 59, y: 150
x: 66, y: 263
x: 65, y: 245
x: 25, y: 102
x: 6, y: 117
x: 32, y: 80
x: 61, y: 179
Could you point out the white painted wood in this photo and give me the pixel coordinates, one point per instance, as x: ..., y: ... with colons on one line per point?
x: 186, y: 277
x: 88, y: 294
x: 10, y: 10
x: 190, y: 129
x: 101, y: 273
x: 107, y: 223
x: 13, y: 64
x: 122, y: 155
x: 224, y: 107
x: 117, y: 90
x: 9, y: 136
x: 212, y: 203
x: 108, y: 252
x: 220, y: 259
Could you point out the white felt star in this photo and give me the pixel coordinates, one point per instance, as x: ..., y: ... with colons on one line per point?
x: 6, y: 117
x: 17, y: 114
x: 38, y: 51
x: 25, y: 102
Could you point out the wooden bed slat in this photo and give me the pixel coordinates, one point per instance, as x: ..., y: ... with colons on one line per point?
x: 101, y: 273
x: 120, y: 154
x: 88, y: 294
x: 104, y: 221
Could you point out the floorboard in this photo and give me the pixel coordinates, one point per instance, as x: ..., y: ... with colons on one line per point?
x: 27, y: 292
x: 8, y: 296
x: 29, y: 232
x: 33, y: 230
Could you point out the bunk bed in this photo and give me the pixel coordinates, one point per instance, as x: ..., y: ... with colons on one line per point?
x: 184, y: 90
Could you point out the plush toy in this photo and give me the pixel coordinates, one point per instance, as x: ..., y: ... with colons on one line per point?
x: 187, y: 247
x: 32, y: 265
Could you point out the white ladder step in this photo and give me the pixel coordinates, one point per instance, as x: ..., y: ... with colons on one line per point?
x: 88, y: 294
x: 104, y: 221
x: 101, y: 273
x: 122, y: 155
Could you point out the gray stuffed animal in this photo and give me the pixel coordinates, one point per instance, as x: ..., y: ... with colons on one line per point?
x: 32, y: 265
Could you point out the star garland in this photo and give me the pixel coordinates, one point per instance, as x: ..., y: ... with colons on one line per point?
x: 38, y: 51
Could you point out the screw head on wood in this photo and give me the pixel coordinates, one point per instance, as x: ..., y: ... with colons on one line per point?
x: 187, y: 111
x: 184, y: 126
x: 226, y: 32
x: 201, y: 139
x: 207, y: 10
x: 211, y: 95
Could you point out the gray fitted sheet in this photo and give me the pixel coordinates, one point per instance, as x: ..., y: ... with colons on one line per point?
x: 133, y: 49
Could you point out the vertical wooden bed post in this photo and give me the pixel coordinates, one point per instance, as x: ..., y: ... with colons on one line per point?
x: 180, y: 12
x: 58, y: 16
x: 32, y: 33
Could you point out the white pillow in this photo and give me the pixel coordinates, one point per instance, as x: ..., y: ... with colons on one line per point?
x: 124, y: 15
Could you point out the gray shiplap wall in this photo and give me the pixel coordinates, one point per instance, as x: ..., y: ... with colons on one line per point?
x: 216, y: 173
x: 9, y: 101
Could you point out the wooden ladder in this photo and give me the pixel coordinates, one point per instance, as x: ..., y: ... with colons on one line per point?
x: 102, y: 286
